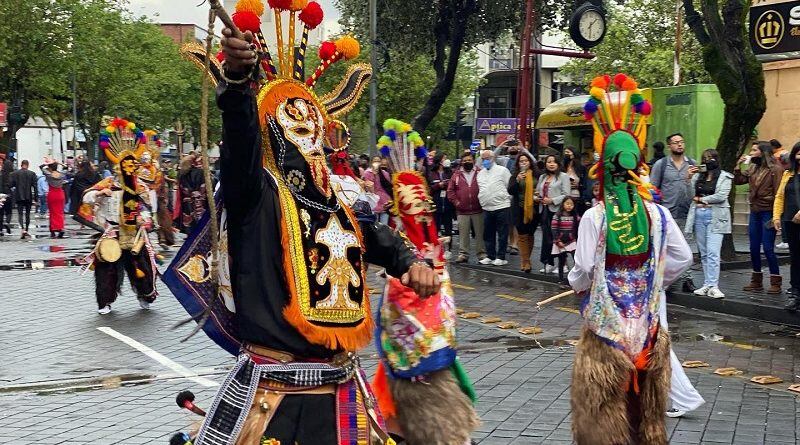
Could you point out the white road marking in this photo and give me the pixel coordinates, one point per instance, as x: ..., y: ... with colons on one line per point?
x: 160, y: 358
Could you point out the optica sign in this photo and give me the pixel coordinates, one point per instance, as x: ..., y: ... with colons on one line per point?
x: 493, y: 125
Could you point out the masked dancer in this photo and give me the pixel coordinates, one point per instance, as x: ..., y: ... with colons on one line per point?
x: 629, y: 250
x: 296, y: 252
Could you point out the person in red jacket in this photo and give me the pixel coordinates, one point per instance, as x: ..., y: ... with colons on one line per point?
x: 462, y: 191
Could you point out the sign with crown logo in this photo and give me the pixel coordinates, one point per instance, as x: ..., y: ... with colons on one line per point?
x: 775, y: 30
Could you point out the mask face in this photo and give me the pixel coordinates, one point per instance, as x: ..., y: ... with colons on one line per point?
x: 487, y: 164
x: 513, y: 152
x: 446, y: 163
x: 712, y: 164
x: 468, y: 166
x: 303, y: 126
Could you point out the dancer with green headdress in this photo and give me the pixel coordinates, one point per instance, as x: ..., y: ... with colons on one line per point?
x: 629, y: 250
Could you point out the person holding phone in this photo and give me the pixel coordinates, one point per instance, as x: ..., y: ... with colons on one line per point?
x: 709, y: 217
x: 553, y: 186
x: 524, y: 217
x: 786, y: 217
x: 764, y: 177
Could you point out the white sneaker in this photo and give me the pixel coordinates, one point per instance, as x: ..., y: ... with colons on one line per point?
x: 782, y: 246
x: 104, y: 310
x: 550, y: 269
x: 702, y: 291
x: 674, y: 412
x: 543, y: 270
x: 447, y: 255
x: 144, y: 304
x: 486, y: 261
x: 499, y: 262
x: 715, y: 293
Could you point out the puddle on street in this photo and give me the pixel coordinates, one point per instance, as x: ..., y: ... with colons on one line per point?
x: 510, y: 344
x: 51, y: 263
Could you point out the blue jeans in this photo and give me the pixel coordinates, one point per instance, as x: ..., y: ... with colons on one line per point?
x: 761, y: 235
x: 43, y: 203
x: 709, y: 244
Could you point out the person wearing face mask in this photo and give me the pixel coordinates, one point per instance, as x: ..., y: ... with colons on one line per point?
x: 709, y: 218
x: 764, y: 177
x: 524, y: 217
x: 578, y: 177
x: 495, y: 202
x: 462, y: 192
x: 439, y: 177
x: 510, y: 162
x: 786, y: 217
x: 552, y: 188
x: 378, y: 174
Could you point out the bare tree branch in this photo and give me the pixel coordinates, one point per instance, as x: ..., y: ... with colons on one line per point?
x: 695, y: 22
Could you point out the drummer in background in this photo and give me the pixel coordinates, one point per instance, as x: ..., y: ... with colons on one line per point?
x: 120, y: 204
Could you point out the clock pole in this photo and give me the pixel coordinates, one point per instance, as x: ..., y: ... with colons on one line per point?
x: 524, y: 80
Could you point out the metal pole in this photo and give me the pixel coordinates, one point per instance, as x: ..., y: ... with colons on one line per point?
x: 75, y: 119
x: 537, y: 88
x: 524, y: 83
x: 676, y: 75
x: 373, y: 83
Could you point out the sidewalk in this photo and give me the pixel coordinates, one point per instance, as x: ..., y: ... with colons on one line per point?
x: 733, y: 277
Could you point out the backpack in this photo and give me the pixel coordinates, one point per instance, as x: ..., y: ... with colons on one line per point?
x: 662, y: 168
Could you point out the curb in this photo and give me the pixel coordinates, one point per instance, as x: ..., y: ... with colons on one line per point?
x: 760, y: 311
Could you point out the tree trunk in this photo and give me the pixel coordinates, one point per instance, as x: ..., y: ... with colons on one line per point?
x: 729, y: 60
x: 445, y: 76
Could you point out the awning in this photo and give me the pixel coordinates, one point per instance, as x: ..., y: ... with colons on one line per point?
x: 567, y: 112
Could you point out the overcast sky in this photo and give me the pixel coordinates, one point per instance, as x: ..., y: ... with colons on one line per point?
x: 187, y: 11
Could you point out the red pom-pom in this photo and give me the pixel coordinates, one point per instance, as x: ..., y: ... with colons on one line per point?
x: 280, y: 4
x: 619, y: 79
x: 220, y: 56
x: 646, y: 108
x: 312, y: 15
x: 588, y: 116
x: 247, y: 21
x: 119, y: 122
x: 327, y: 50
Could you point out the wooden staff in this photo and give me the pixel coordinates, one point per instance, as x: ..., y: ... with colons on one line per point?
x: 220, y: 12
x: 555, y: 297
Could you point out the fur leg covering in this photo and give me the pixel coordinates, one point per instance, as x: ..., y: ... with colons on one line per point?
x: 655, y: 393
x: 600, y: 382
x: 437, y: 413
x: 107, y: 281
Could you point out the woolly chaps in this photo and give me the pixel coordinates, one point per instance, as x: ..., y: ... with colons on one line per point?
x: 605, y: 408
x: 437, y: 413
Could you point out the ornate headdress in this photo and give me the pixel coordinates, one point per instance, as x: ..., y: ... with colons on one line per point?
x: 124, y: 143
x: 412, y: 200
x: 619, y: 119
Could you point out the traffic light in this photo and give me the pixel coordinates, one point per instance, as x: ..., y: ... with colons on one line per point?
x: 461, y: 117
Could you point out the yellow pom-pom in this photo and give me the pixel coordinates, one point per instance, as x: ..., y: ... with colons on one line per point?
x: 111, y: 129
x: 597, y: 93
x: 348, y: 47
x: 131, y: 126
x: 254, y: 6
x: 405, y: 128
x: 298, y: 5
x: 139, y: 273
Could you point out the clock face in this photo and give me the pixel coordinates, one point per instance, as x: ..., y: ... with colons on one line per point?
x: 591, y: 25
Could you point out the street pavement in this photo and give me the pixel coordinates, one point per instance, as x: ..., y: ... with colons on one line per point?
x: 69, y: 375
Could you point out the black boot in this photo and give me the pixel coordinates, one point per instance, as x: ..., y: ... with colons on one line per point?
x: 688, y: 286
x: 794, y: 301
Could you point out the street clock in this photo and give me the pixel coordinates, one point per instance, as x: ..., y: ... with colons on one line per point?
x: 587, y: 26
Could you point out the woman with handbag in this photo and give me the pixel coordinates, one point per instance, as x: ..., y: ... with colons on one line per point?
x: 763, y: 176
x: 786, y: 217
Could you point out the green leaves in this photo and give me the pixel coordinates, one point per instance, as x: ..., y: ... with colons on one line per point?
x: 122, y: 65
x: 641, y: 42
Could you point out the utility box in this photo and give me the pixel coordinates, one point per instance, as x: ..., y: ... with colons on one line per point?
x: 695, y: 111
